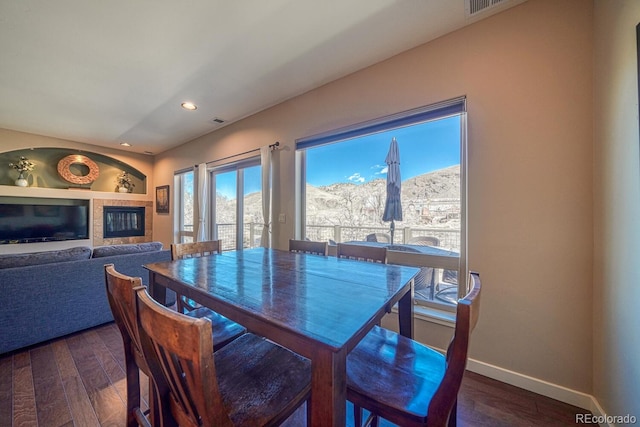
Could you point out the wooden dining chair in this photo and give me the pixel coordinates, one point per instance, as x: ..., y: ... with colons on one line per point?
x: 250, y: 382
x: 406, y: 382
x: 120, y: 294
x: 309, y: 247
x: 192, y: 250
x: 362, y: 252
x: 224, y: 330
x: 121, y: 299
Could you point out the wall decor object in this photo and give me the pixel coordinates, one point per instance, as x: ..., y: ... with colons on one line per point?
x: 76, y: 159
x: 23, y: 166
x: 162, y: 199
x: 125, y: 183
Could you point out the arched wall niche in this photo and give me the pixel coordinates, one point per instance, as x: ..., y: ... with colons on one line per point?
x: 45, y: 174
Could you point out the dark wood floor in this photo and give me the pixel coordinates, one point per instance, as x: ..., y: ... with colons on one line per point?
x: 79, y: 381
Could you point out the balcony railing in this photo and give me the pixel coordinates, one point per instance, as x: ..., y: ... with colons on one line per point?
x: 252, y: 232
x: 449, y: 239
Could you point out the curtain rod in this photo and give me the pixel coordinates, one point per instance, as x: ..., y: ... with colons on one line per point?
x: 272, y: 146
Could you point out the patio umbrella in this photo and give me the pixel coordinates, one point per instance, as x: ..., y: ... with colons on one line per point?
x: 393, y: 204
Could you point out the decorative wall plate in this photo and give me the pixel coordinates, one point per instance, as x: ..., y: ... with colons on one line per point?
x: 76, y: 159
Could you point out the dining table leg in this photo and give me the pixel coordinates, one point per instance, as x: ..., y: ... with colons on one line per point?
x: 405, y: 313
x: 328, y: 401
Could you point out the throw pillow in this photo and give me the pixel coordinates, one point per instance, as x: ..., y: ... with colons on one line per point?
x: 46, y: 257
x: 134, y: 248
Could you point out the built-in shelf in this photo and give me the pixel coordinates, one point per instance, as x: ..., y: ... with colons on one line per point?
x: 46, y: 174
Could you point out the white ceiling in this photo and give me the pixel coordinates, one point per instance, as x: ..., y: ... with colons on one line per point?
x: 105, y: 72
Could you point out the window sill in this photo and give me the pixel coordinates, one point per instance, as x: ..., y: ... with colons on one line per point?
x: 433, y: 315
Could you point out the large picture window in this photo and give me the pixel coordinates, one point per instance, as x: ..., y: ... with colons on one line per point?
x: 343, y: 177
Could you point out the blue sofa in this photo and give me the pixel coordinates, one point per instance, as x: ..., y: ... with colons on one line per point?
x: 47, y: 295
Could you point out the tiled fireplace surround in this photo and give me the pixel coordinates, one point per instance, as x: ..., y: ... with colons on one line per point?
x: 98, y: 222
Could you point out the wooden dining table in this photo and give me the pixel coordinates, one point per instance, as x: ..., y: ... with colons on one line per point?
x: 319, y: 307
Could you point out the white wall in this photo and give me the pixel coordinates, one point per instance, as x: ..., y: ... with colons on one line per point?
x: 617, y: 209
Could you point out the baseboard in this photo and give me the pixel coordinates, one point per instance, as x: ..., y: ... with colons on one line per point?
x: 535, y: 385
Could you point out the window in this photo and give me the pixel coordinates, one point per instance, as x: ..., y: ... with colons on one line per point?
x: 183, y: 184
x: 236, y: 212
x: 342, y: 177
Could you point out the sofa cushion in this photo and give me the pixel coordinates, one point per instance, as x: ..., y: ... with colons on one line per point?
x: 103, y: 251
x: 46, y: 257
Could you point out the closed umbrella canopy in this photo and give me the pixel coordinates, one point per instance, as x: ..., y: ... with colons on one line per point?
x: 393, y: 204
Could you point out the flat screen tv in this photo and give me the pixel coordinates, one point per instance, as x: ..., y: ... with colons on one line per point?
x: 31, y: 219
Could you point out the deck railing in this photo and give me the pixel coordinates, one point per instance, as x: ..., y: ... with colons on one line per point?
x: 449, y: 239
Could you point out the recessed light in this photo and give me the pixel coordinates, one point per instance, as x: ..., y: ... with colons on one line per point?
x: 125, y: 144
x: 189, y: 106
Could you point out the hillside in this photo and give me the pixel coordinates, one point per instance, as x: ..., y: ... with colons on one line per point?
x: 430, y: 200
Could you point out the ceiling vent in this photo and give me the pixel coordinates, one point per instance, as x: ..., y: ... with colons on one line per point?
x: 475, y: 7
x: 217, y: 120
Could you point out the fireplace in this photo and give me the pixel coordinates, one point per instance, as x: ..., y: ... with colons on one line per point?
x: 123, y: 221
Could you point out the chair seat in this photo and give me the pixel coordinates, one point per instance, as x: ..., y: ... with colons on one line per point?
x: 401, y: 374
x: 252, y: 371
x: 224, y: 330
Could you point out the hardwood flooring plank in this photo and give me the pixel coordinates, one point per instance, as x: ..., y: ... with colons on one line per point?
x: 112, y: 339
x: 51, y: 402
x: 24, y: 402
x: 107, y: 403
x: 494, y: 393
x: 6, y: 391
x: 559, y: 410
x: 111, y: 367
x: 110, y: 335
x: 79, y: 403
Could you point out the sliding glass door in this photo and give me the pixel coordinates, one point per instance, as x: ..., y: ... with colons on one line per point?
x: 237, y: 204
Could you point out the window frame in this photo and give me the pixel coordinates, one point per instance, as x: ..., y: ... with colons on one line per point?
x: 179, y: 192
x: 440, y: 110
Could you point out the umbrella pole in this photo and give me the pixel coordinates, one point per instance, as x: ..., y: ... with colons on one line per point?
x: 393, y: 229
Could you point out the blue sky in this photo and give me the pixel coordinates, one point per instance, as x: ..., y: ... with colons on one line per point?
x: 423, y: 148
x: 226, y: 182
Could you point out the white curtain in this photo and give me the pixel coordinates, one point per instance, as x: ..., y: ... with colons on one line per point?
x: 202, y: 184
x: 265, y: 162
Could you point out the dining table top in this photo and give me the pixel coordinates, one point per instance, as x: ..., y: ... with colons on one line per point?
x: 324, y: 298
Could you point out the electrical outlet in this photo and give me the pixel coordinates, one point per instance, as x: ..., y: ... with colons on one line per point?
x: 282, y: 218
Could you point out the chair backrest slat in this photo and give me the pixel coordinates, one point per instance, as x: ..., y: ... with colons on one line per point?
x: 309, y: 247
x: 362, y: 252
x: 195, y: 249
